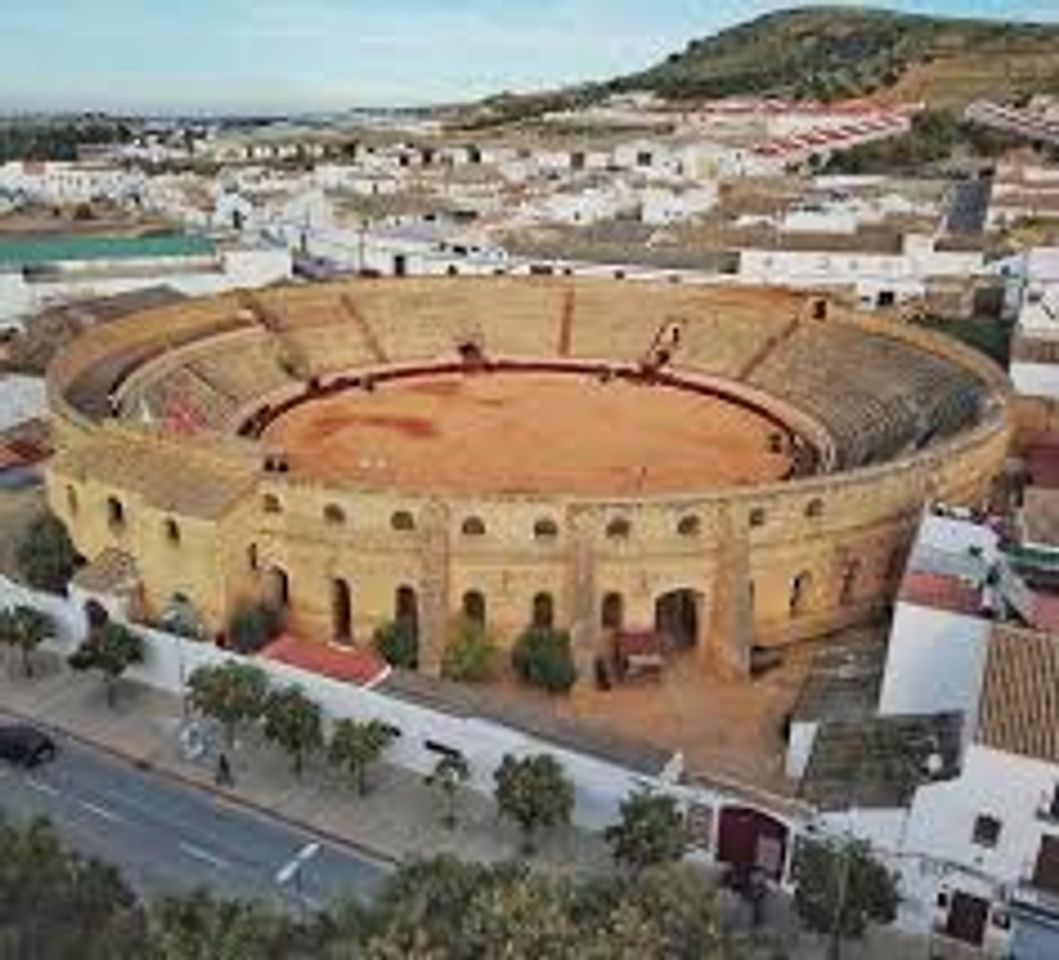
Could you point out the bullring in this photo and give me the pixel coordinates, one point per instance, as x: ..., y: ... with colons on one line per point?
x: 737, y: 468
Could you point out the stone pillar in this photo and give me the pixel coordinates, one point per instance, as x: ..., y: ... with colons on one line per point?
x: 732, y: 624
x: 434, y: 586
x: 580, y: 588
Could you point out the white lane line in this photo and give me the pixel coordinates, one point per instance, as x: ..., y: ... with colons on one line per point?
x: 100, y: 811
x: 199, y: 854
x: 42, y: 787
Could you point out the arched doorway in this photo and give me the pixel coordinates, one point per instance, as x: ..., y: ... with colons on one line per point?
x: 677, y: 617
x: 543, y: 612
x: 406, y: 606
x: 750, y: 838
x: 799, y: 593
x: 277, y: 588
x: 612, y: 611
x: 341, y: 610
x: 474, y: 607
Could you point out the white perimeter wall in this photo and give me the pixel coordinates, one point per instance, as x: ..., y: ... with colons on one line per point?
x: 934, y: 662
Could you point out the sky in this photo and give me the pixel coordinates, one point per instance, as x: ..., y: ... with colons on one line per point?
x: 296, y: 55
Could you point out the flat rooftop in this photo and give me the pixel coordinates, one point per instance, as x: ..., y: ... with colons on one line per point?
x: 29, y: 251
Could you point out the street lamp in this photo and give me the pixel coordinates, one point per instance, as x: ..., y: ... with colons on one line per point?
x: 292, y: 870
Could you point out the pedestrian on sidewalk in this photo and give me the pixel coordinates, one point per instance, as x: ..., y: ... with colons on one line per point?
x: 224, y: 772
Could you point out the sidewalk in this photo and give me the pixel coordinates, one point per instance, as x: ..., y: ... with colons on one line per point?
x: 399, y: 818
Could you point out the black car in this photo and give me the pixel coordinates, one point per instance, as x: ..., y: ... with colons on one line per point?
x: 24, y: 746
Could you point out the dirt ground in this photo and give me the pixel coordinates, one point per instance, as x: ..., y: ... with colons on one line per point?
x: 725, y: 728
x: 529, y: 433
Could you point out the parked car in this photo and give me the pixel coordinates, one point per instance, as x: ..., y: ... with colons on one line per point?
x: 24, y: 746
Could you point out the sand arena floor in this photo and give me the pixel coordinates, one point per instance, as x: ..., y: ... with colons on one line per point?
x: 517, y: 432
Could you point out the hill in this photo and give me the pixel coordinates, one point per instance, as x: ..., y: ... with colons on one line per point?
x: 836, y: 52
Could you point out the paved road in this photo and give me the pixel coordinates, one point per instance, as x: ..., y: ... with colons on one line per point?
x: 166, y: 837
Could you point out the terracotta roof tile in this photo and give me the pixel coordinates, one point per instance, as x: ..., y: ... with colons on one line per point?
x: 1019, y: 708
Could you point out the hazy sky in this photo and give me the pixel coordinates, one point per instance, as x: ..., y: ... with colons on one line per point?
x: 323, y: 54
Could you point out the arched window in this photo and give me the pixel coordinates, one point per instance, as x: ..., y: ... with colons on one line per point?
x: 334, y: 515
x: 757, y: 517
x: 251, y: 557
x: 814, y: 508
x: 172, y: 531
x: 545, y: 529
x: 618, y: 529
x: 689, y: 526
x: 115, y: 514
x: 543, y: 617
x: 473, y: 527
x: 612, y: 611
x: 270, y: 503
x: 799, y: 591
x: 474, y: 606
x: 403, y: 521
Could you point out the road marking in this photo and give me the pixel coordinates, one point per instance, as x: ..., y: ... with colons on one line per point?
x: 42, y: 787
x: 100, y: 811
x: 199, y: 854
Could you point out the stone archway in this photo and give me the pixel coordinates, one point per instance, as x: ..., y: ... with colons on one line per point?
x: 277, y: 588
x: 678, y: 616
x: 341, y: 610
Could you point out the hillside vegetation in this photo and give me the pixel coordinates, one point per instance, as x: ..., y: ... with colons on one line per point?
x: 837, y: 52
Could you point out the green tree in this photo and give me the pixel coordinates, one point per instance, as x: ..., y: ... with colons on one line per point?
x: 450, y: 771
x: 252, y: 627
x: 355, y: 746
x: 542, y: 657
x: 650, y: 831
x: 534, y: 792
x: 470, y: 654
x: 111, y: 649
x: 840, y: 888
x: 198, y: 926
x: 397, y: 642
x: 293, y: 721
x: 55, y: 904
x: 46, y: 555
x: 231, y: 693
x: 25, y: 628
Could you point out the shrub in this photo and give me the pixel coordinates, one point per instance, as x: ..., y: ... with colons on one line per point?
x: 252, y: 627
x: 470, y: 655
x: 397, y: 642
x: 542, y: 658
x: 46, y: 555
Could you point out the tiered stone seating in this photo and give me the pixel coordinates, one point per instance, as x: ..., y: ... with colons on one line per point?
x: 243, y: 371
x: 877, y: 396
x: 183, y: 393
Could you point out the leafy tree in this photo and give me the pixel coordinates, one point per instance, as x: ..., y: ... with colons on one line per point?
x: 840, y: 887
x: 46, y: 555
x: 25, y: 628
x: 650, y: 832
x: 252, y: 627
x: 534, y: 792
x: 355, y: 746
x: 231, y: 693
x: 470, y: 655
x: 197, y: 926
x: 293, y: 721
x: 542, y: 658
x: 111, y: 649
x: 55, y: 904
x: 449, y: 772
x: 397, y: 642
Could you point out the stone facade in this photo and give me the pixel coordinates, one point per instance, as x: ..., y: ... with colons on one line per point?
x: 759, y: 565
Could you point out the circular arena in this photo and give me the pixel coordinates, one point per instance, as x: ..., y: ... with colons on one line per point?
x: 731, y: 468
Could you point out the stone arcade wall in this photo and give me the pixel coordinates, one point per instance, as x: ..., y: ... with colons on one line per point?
x: 820, y: 552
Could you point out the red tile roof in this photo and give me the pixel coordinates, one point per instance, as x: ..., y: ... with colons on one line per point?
x: 362, y: 667
x: 941, y: 592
